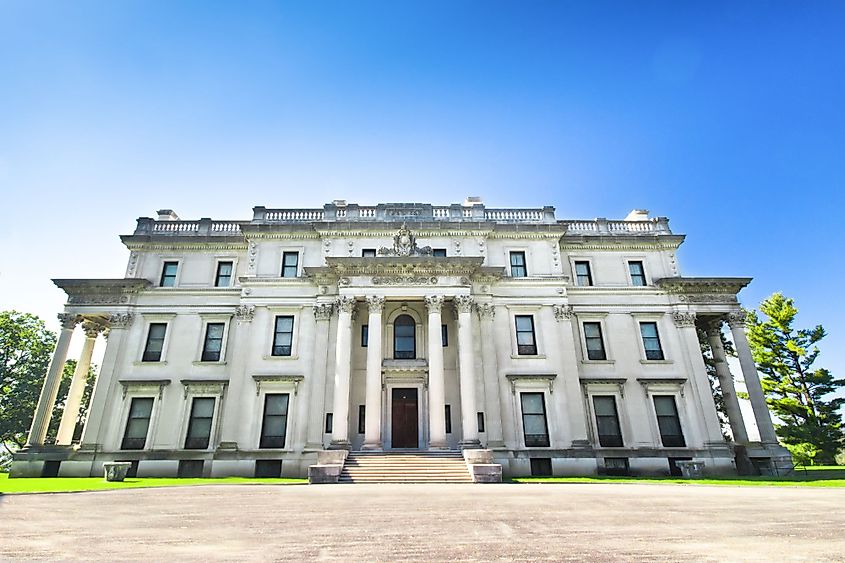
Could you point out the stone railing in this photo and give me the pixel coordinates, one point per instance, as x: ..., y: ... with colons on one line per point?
x: 602, y: 226
x: 404, y: 212
x: 201, y: 227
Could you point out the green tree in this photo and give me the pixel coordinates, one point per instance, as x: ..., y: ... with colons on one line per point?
x: 811, y: 425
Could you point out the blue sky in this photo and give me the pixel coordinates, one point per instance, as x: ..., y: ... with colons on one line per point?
x: 725, y: 116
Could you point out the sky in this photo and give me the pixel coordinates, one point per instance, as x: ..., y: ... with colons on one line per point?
x: 727, y: 117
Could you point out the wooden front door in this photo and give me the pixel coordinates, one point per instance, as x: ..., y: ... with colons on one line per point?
x: 405, y: 421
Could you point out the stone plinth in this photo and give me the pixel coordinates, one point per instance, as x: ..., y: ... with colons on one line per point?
x: 324, y: 474
x: 486, y: 472
x: 116, y: 470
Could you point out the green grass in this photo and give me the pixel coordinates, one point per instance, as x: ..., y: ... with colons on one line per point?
x: 75, y: 484
x: 817, y: 476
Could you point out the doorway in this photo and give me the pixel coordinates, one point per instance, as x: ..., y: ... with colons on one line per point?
x: 405, y: 418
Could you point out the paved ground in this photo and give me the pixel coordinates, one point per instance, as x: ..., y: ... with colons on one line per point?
x: 428, y: 522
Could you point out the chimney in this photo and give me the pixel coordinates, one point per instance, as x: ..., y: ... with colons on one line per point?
x: 472, y: 200
x: 167, y: 215
x: 637, y: 215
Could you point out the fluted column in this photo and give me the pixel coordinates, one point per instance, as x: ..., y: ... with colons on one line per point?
x: 466, y: 365
x: 317, y: 390
x: 726, y: 382
x: 343, y: 358
x: 77, y: 384
x: 490, y: 373
x: 372, y: 425
x: 436, y: 382
x: 47, y: 399
x: 752, y: 380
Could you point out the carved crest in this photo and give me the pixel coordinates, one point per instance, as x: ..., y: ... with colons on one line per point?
x: 405, y: 244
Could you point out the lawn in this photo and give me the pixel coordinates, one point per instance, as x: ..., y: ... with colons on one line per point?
x: 818, y: 476
x: 74, y: 484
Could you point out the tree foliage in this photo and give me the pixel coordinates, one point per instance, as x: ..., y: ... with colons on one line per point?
x: 795, y: 391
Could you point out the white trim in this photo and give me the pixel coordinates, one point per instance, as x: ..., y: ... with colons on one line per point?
x: 534, y: 312
x: 205, y: 320
x: 273, y: 388
x: 177, y: 281
x: 150, y: 318
x: 582, y: 337
x: 295, y: 312
x: 675, y: 390
x: 233, y: 280
x: 526, y: 250
x: 641, y: 258
x: 659, y: 319
x: 534, y: 386
x: 186, y: 418
x: 300, y: 251
x: 617, y: 391
x: 578, y: 258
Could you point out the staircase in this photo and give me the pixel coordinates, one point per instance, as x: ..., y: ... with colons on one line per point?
x: 405, y: 467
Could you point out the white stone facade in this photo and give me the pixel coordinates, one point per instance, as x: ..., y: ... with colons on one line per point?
x: 348, y: 266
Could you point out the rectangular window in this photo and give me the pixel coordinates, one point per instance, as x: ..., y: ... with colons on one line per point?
x: 526, y: 345
x: 268, y: 468
x: 275, y: 420
x: 168, y: 274
x: 362, y: 418
x: 541, y: 467
x: 667, y: 420
x: 368, y: 252
x: 190, y: 468
x: 224, y: 274
x: 448, y: 419
x: 138, y: 423
x: 617, y: 466
x: 213, y: 343
x: 290, y: 264
x: 444, y: 335
x: 439, y: 252
x: 199, y: 425
x: 651, y: 341
x: 607, y: 421
x: 481, y: 422
x: 637, y: 273
x: 283, y: 336
x: 594, y: 341
x: 329, y: 420
x: 583, y: 276
x: 534, y: 425
x: 155, y: 342
x: 518, y: 269
x: 365, y: 335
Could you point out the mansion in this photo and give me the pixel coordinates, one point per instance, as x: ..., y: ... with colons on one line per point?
x: 280, y: 345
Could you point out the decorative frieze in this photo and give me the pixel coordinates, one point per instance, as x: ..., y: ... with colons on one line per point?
x: 683, y: 319
x: 120, y: 320
x: 562, y: 312
x: 404, y: 280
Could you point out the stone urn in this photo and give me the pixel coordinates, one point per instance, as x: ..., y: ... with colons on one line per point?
x: 116, y: 470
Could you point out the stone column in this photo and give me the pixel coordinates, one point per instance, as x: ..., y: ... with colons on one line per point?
x: 466, y: 366
x: 490, y: 371
x: 726, y: 382
x: 436, y: 382
x: 317, y: 387
x: 77, y: 385
x: 372, y: 426
x: 238, y: 356
x: 47, y: 399
x: 568, y: 382
x: 343, y: 355
x: 752, y: 381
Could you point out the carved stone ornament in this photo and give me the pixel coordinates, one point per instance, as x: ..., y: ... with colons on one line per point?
x: 120, y: 320
x: 92, y: 329
x: 404, y: 280
x: 323, y: 311
x: 562, y: 312
x: 463, y: 303
x: 245, y: 313
x: 737, y: 319
x: 405, y: 244
x: 684, y: 318
x: 69, y: 320
x: 346, y: 304
x: 375, y: 303
x: 434, y: 303
x: 486, y: 310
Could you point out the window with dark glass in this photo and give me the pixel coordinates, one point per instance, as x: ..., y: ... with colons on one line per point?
x: 290, y: 264
x: 444, y: 335
x: 480, y: 421
x: 362, y: 418
x: 368, y: 252
x: 365, y: 335
x: 637, y: 273
x: 583, y: 276
x: 329, y: 421
x: 594, y: 341
x: 448, y: 410
x: 155, y: 342
x: 534, y: 425
x: 224, y: 274
x: 404, y: 338
x: 168, y: 274
x: 199, y: 424
x: 667, y: 420
x: 651, y: 341
x: 213, y: 343
x: 439, y: 252
x: 518, y: 269
x: 607, y: 421
x: 275, y: 421
x: 138, y: 423
x: 526, y: 344
x: 283, y: 336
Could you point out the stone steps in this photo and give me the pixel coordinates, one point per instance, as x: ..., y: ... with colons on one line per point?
x: 405, y: 467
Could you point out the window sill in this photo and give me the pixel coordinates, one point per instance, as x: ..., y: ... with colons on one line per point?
x: 271, y: 357
x: 647, y: 362
x: 599, y: 362
x: 202, y: 363
x: 149, y: 364
x: 528, y: 356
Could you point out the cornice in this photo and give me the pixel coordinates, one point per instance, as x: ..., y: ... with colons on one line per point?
x: 650, y: 242
x: 101, y: 291
x: 193, y: 244
x: 403, y: 266
x: 687, y: 286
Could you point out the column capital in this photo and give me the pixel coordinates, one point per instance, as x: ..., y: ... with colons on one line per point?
x: 486, y: 310
x: 736, y: 319
x: 120, y: 320
x: 562, y: 312
x: 92, y: 329
x: 713, y: 325
x: 245, y: 313
x: 69, y: 320
x: 346, y: 304
x: 434, y: 303
x: 375, y: 303
x: 323, y: 311
x: 684, y: 319
x: 463, y: 303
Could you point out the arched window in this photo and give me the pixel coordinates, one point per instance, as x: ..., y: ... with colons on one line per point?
x: 404, y: 338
